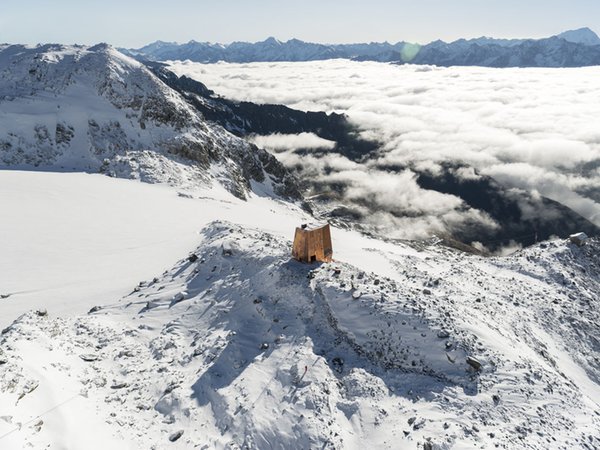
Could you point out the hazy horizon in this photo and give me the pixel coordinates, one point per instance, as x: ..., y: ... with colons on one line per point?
x: 136, y: 23
x: 292, y: 38
x: 367, y: 41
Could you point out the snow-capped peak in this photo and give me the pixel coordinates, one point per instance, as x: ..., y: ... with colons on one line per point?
x: 76, y: 108
x: 583, y: 36
x: 272, y: 41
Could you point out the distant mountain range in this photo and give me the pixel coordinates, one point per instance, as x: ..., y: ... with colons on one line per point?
x: 575, y: 48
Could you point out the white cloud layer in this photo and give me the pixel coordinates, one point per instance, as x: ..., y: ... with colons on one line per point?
x: 281, y: 142
x: 529, y: 128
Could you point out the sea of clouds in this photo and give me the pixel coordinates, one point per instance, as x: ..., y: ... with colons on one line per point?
x: 533, y: 129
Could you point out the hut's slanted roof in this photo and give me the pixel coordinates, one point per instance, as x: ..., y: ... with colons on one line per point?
x: 313, y: 226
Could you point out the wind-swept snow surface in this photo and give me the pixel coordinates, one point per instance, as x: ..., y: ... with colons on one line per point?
x: 406, y: 345
x: 72, y: 240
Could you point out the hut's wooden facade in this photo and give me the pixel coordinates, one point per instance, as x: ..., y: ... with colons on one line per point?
x: 313, y: 243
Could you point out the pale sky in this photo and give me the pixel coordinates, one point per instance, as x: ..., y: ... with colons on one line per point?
x: 133, y: 23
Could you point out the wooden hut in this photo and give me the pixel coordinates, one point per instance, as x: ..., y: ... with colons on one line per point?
x: 313, y: 243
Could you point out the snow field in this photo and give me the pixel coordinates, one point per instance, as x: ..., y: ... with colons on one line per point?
x: 244, y: 348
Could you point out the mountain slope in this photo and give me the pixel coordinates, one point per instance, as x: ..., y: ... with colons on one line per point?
x: 74, y: 108
x: 448, y: 351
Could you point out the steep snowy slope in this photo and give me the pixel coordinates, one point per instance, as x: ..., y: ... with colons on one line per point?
x: 73, y: 108
x: 238, y: 347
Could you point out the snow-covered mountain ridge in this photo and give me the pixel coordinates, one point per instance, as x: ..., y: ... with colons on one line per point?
x: 94, y: 109
x: 448, y: 351
x: 574, y: 48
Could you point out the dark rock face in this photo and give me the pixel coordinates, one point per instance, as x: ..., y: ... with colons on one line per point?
x: 545, y: 217
x: 246, y: 118
x: 474, y: 363
x: 64, y: 134
x: 175, y: 436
